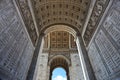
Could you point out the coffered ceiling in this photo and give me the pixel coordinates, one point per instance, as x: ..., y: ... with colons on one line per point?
x: 59, y: 40
x: 69, y: 12
x: 73, y: 13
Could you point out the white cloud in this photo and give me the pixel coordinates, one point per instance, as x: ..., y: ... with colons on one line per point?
x: 60, y: 78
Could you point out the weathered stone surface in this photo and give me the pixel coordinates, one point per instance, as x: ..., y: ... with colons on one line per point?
x: 105, y: 46
x: 97, y: 63
x: 112, y: 25
x: 97, y: 13
x: 28, y: 20
x: 42, y: 73
x: 16, y: 48
x: 75, y: 68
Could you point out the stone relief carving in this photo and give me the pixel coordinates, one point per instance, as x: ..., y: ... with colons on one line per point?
x: 27, y: 17
x: 106, y: 44
x: 98, y: 10
x: 15, y: 47
x: 111, y: 25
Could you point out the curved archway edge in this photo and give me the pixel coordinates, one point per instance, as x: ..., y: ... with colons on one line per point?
x: 61, y: 27
x: 59, y: 56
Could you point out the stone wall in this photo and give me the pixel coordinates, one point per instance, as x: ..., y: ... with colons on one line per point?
x: 16, y: 48
x: 104, y: 49
x: 24, y: 9
x: 75, y: 70
x: 42, y: 71
x: 97, y: 13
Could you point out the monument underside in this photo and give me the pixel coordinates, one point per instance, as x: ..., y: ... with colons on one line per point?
x: 81, y: 36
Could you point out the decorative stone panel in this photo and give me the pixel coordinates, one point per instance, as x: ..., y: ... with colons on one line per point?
x: 104, y: 50
x: 16, y: 49
x: 27, y: 18
x: 97, y: 13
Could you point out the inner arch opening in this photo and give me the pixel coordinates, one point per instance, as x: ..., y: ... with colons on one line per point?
x: 56, y: 63
x: 59, y: 41
x: 59, y: 74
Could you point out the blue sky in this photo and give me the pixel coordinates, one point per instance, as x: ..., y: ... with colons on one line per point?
x: 59, y: 74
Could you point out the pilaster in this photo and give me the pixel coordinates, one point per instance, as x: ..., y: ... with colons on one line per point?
x: 84, y: 59
x: 33, y: 67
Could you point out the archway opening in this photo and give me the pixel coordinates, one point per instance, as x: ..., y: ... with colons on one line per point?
x: 55, y: 64
x: 57, y: 45
x: 59, y: 74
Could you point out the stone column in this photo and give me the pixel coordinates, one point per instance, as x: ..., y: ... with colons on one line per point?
x: 50, y: 78
x: 33, y: 66
x: 68, y: 77
x: 48, y: 72
x: 84, y: 59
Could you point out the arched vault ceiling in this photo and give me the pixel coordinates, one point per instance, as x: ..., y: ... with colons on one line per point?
x: 71, y: 12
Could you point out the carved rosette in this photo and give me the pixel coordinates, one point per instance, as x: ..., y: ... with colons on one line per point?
x: 97, y: 13
x: 28, y: 20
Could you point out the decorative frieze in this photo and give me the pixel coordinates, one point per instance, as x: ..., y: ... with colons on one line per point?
x: 28, y: 20
x: 97, y: 13
x: 104, y: 47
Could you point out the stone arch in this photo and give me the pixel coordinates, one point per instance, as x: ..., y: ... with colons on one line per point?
x: 60, y: 27
x: 59, y: 61
x: 59, y: 56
